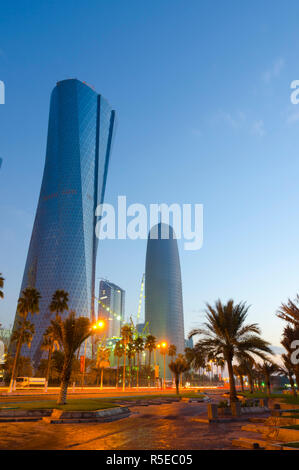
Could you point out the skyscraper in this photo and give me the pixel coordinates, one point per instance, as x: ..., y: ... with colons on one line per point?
x: 63, y: 246
x: 163, y: 289
x: 111, y: 307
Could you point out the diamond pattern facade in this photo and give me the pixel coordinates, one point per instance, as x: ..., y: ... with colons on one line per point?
x: 63, y: 246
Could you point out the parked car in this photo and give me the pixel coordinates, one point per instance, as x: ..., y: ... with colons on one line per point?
x: 30, y: 381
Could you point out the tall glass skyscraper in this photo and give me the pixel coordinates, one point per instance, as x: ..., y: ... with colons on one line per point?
x: 111, y: 307
x: 63, y: 246
x: 163, y: 289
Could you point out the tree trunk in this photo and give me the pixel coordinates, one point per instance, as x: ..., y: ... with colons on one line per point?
x: 49, y: 362
x: 14, y: 369
x: 65, y: 379
x: 129, y: 372
x: 102, y: 374
x: 232, y: 385
x: 124, y: 370
x: 296, y: 370
x: 177, y: 383
x: 117, y: 368
x: 241, y: 382
x: 268, y: 384
x: 149, y: 366
x: 138, y: 370
x: 251, y: 384
x: 63, y: 393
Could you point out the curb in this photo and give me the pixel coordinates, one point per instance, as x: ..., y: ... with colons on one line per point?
x: 70, y: 417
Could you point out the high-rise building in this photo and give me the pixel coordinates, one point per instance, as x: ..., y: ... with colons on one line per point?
x: 63, y: 246
x: 189, y: 343
x: 140, y: 327
x: 111, y: 307
x: 163, y: 289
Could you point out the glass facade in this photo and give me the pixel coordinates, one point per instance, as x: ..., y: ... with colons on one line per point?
x: 163, y: 290
x: 63, y: 246
x: 111, y: 307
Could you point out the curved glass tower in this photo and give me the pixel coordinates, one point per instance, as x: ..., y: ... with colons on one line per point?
x: 163, y: 289
x: 63, y: 246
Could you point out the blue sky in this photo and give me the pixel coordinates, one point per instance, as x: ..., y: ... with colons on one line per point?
x: 202, y: 94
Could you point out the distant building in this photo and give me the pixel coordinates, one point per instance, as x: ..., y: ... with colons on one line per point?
x: 189, y: 343
x: 140, y: 327
x: 5, y: 334
x: 111, y: 307
x: 163, y: 290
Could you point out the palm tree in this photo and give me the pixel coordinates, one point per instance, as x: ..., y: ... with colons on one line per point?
x: 131, y: 355
x: 239, y: 372
x: 290, y: 311
x: 71, y: 333
x: 209, y: 369
x: 1, y: 286
x: 103, y: 355
x: 220, y: 363
x: 27, y: 303
x: 150, y: 346
x: 48, y: 344
x: 24, y: 366
x: 178, y: 366
x: 196, y: 357
x: 258, y: 378
x: 289, y: 336
x: 59, y: 302
x: 288, y: 370
x: 118, y: 352
x: 126, y: 334
x: 247, y: 364
x: 268, y: 368
x: 58, y: 305
x: 23, y: 334
x: 139, y: 347
x: 172, y: 351
x: 225, y: 335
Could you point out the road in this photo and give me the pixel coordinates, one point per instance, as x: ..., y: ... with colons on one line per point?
x: 86, y: 392
x: 167, y: 426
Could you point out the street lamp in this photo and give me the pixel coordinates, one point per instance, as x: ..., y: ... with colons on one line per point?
x: 98, y: 326
x: 163, y: 349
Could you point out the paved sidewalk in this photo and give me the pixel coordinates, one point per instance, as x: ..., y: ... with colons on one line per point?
x: 154, y: 427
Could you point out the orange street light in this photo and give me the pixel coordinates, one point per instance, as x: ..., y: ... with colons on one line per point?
x: 99, y: 325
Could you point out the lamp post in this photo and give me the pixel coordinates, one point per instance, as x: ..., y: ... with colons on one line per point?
x: 163, y: 349
x: 98, y: 326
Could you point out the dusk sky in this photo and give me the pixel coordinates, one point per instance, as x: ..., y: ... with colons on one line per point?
x: 202, y: 95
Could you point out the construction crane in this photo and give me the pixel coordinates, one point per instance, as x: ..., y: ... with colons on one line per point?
x: 141, y: 297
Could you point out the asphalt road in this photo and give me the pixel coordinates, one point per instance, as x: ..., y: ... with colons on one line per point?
x: 86, y: 392
x: 168, y: 426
